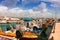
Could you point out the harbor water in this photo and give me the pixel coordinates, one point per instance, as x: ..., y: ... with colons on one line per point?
x: 4, y: 26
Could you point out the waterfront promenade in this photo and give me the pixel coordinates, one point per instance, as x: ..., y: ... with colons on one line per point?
x: 56, y: 35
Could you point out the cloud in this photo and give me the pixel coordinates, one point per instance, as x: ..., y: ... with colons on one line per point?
x: 41, y: 7
x: 15, y: 12
x: 35, y: 1
x: 30, y: 2
x: 9, y: 3
x: 28, y: 13
x: 12, y: 3
x: 3, y: 10
x: 43, y: 10
x: 38, y: 11
x: 19, y: 12
x: 55, y: 3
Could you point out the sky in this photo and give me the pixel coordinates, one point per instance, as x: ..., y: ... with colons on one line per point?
x: 30, y: 8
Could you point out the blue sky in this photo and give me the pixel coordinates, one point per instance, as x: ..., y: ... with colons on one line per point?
x: 47, y: 7
x: 20, y: 3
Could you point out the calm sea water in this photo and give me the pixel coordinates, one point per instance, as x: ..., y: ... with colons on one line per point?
x: 5, y: 25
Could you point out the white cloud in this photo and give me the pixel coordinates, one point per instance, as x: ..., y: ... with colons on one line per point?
x: 3, y: 10
x: 9, y: 3
x: 34, y: 1
x: 41, y: 7
x: 18, y: 12
x: 39, y: 11
x: 25, y: 2
x: 56, y: 3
